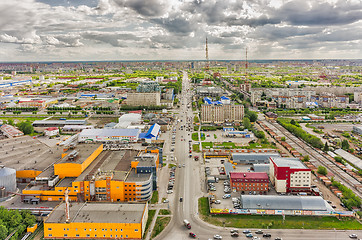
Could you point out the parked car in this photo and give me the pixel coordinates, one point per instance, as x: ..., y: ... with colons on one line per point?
x: 259, y: 232
x: 218, y: 237
x: 217, y: 202
x: 353, y: 235
x: 249, y: 235
x: 246, y: 231
x: 266, y: 235
x: 193, y: 235
x: 234, y: 231
x: 235, y: 234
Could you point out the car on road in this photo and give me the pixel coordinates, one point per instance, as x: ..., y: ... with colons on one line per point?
x: 266, y: 235
x: 256, y: 238
x: 165, y: 201
x: 246, y: 231
x: 234, y: 231
x: 278, y: 238
x: 193, y: 235
x: 353, y: 235
x: 217, y: 202
x: 259, y: 232
x: 249, y: 235
x: 235, y: 234
x: 181, y: 199
x: 217, y: 237
x: 169, y: 191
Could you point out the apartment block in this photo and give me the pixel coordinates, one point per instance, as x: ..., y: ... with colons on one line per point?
x: 211, y: 113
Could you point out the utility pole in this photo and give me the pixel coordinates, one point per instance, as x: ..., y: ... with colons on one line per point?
x: 207, y: 57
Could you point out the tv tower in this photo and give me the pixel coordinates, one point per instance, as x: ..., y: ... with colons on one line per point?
x: 207, y: 57
x: 246, y: 63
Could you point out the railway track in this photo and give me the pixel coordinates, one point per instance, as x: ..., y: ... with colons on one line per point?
x: 317, y: 158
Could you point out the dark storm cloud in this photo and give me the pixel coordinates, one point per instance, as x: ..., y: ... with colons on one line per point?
x: 148, y: 8
x: 323, y: 14
x: 272, y: 32
x: 113, y: 38
x: 252, y: 22
x: 176, y: 25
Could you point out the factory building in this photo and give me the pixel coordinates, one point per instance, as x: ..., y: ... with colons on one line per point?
x: 289, y: 175
x: 96, y: 221
x: 253, y: 158
x: 97, y: 175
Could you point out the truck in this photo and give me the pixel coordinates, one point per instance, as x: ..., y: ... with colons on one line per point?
x: 187, y: 224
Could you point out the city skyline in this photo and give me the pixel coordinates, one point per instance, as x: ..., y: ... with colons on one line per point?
x: 101, y: 30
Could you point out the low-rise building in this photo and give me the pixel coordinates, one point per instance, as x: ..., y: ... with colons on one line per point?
x: 96, y: 221
x: 289, y: 175
x: 52, y: 131
x: 249, y: 181
x: 109, y: 135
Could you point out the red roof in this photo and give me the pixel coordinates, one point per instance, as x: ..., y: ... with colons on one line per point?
x: 249, y: 175
x: 51, y: 128
x: 137, y: 111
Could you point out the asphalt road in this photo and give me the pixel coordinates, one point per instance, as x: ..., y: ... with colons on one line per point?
x: 189, y: 186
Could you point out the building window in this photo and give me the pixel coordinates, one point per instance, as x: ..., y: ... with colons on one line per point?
x: 77, y: 235
x: 49, y: 229
x: 65, y: 235
x: 50, y: 235
x: 88, y: 235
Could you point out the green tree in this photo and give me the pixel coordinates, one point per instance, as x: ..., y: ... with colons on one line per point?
x: 26, y: 127
x: 283, y: 139
x: 338, y: 159
x: 293, y: 122
x: 246, y: 123
x: 253, y: 116
x: 260, y: 134
x: 306, y: 158
x: 322, y: 170
x: 3, y: 232
x: 345, y: 145
x: 326, y: 148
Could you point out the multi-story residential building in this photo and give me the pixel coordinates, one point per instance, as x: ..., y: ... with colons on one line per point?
x: 289, y: 175
x: 297, y: 98
x: 144, y: 99
x: 221, y: 113
x: 249, y: 181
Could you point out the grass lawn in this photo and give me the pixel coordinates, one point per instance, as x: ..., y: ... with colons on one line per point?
x: 170, y: 165
x: 151, y: 214
x: 203, y: 137
x: 161, y: 223
x: 154, y: 198
x: 196, y: 147
x: 271, y: 221
x: 20, y: 119
x: 196, y: 119
x: 195, y: 136
x: 215, y: 136
x: 164, y: 212
x: 207, y: 145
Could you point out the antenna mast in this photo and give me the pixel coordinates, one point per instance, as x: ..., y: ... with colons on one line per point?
x: 207, y: 57
x: 246, y: 63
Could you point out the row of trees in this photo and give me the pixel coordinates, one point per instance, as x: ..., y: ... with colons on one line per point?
x: 14, y: 220
x: 349, y: 199
x: 58, y: 109
x: 131, y: 108
x: 102, y: 108
x: 294, y: 128
x: 22, y: 109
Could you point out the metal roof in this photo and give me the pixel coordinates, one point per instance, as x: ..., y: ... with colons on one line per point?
x: 253, y: 156
x: 249, y: 175
x: 311, y: 203
x: 293, y: 163
x: 109, y: 132
x: 98, y: 213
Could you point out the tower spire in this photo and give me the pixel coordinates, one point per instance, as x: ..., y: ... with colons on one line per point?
x: 207, y: 57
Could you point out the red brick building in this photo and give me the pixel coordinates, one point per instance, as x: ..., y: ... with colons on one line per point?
x: 249, y: 181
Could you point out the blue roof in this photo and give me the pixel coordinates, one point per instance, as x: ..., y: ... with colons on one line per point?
x: 225, y: 98
x: 153, y: 131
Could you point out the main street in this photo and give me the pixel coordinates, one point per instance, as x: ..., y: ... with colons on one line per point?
x: 189, y: 186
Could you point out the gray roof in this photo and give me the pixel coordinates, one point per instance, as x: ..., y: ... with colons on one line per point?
x: 311, y: 203
x: 98, y: 213
x: 109, y: 132
x: 289, y: 162
x: 253, y: 156
x: 261, y: 167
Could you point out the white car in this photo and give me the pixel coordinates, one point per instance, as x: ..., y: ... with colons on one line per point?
x: 165, y: 201
x: 218, y: 237
x: 169, y: 191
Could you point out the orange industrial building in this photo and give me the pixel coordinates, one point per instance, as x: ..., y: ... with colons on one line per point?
x: 93, y: 174
x: 96, y: 221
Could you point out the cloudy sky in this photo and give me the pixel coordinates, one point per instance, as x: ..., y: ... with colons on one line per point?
x: 67, y: 30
